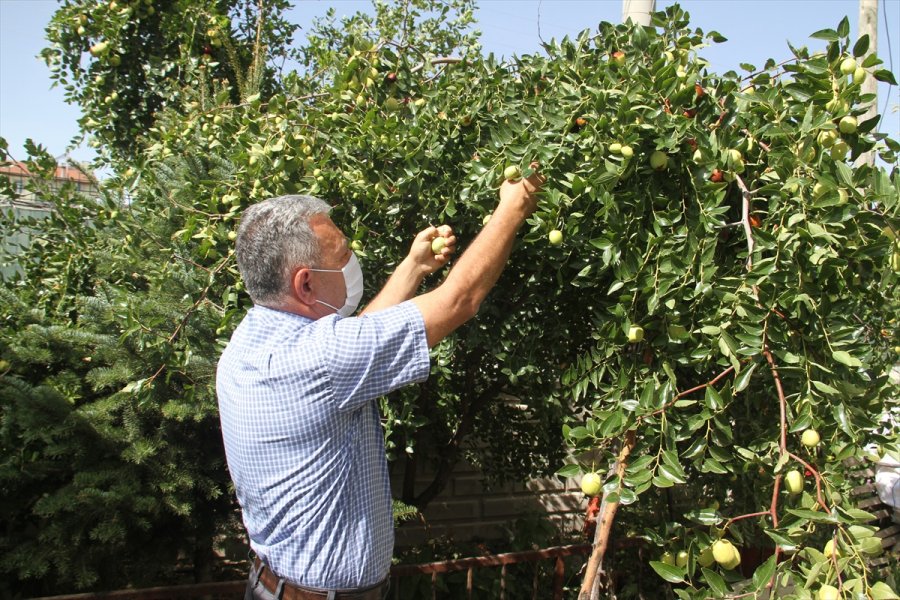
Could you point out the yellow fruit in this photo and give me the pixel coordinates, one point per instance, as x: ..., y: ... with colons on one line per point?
x: 627, y: 151
x: 828, y: 592
x: 793, y: 482
x: 591, y: 484
x: 734, y: 562
x: 512, y: 172
x: 615, y: 148
x: 681, y: 559
x: 635, y: 334
x: 99, y: 48
x: 706, y: 557
x: 847, y: 124
x: 556, y: 237
x: 438, y: 244
x: 659, y: 160
x: 667, y: 558
x: 726, y: 554
x: 735, y: 160
x: 722, y: 551
x: 840, y: 150
x: 826, y: 138
x: 859, y: 75
x: 848, y: 66
x: 810, y: 437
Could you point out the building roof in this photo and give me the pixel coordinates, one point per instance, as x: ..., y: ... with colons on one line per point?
x: 64, y: 172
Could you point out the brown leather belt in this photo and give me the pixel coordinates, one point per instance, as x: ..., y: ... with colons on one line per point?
x: 289, y: 591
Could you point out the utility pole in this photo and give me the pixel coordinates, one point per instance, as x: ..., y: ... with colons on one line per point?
x: 868, y: 25
x: 639, y: 11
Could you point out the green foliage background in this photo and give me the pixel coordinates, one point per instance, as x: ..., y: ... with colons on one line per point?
x: 112, y: 470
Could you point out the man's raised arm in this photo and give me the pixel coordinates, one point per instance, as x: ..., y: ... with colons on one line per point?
x: 458, y: 298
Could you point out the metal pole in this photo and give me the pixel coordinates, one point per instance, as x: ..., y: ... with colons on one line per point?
x: 638, y: 11
x: 868, y: 25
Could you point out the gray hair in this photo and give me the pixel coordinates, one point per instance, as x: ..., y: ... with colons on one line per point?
x: 275, y: 237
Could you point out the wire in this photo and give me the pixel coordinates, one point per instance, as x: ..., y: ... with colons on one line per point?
x: 887, y: 31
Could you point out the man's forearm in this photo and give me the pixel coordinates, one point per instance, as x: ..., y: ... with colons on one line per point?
x: 477, y: 270
x: 402, y: 285
x: 480, y: 266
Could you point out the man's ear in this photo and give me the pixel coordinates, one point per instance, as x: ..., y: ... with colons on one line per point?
x: 302, y: 287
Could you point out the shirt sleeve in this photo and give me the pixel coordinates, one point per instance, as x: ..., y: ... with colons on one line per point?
x: 377, y: 353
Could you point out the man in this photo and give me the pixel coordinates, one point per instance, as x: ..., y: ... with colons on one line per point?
x: 298, y: 383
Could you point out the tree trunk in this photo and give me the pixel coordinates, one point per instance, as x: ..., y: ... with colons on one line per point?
x: 590, y: 585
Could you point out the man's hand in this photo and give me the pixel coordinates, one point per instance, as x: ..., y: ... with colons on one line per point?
x: 420, y: 262
x: 523, y: 193
x: 422, y: 254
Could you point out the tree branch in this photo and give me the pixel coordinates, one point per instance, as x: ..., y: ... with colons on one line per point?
x: 605, y: 520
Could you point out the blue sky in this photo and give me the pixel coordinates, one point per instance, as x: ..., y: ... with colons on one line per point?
x: 756, y: 30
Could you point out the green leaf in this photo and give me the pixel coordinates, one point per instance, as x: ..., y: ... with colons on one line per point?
x: 579, y: 433
x: 840, y: 415
x: 627, y: 496
x: 671, y: 474
x: 845, y: 173
x: 639, y: 464
x: 569, y: 471
x: 845, y: 358
x: 715, y: 582
x: 668, y: 572
x: 829, y: 35
x: 812, y: 515
x: 661, y: 482
x: 844, y: 27
x: 711, y: 465
x: 713, y: 398
x: 743, y: 380
x: 825, y: 388
x: 882, y: 591
x: 859, y: 515
x: 781, y: 540
x: 611, y: 424
x: 861, y: 46
x: 782, y: 461
x: 764, y: 573
x: 704, y: 516
x: 885, y: 76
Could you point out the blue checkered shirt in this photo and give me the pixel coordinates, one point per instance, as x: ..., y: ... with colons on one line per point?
x: 303, y: 439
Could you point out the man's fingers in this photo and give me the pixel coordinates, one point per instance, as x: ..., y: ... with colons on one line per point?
x: 534, y: 181
x: 444, y: 231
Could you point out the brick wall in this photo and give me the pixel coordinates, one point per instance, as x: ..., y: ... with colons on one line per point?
x: 466, y: 511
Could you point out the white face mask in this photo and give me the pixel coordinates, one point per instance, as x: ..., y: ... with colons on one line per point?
x: 353, y: 280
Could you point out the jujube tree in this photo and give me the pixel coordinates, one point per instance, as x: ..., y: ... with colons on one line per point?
x: 707, y: 276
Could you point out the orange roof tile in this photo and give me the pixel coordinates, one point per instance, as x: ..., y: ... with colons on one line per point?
x: 63, y: 172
